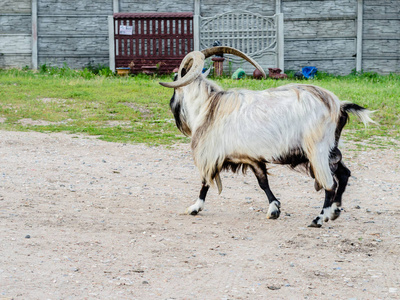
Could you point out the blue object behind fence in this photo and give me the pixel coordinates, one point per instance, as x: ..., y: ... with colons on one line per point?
x: 309, y: 72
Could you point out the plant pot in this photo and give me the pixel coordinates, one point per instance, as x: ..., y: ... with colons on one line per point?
x: 123, y: 71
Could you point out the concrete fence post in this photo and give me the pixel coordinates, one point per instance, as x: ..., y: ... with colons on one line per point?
x: 116, y: 6
x: 359, y: 35
x: 196, y: 26
x: 111, y: 44
x: 34, y: 35
x: 280, y: 42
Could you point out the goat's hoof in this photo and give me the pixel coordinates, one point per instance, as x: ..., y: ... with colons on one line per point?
x: 274, y: 210
x: 335, y: 214
x: 193, y: 211
x: 331, y: 213
x: 274, y: 215
x: 195, y: 208
x: 316, y: 223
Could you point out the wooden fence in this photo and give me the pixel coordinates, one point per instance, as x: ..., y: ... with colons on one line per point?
x: 336, y: 36
x: 152, y: 40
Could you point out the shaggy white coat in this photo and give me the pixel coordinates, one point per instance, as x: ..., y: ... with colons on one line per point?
x: 265, y: 125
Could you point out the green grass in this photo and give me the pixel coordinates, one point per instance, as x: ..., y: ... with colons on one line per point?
x: 136, y: 109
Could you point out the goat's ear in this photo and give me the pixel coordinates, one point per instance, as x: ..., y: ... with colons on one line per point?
x: 183, y: 72
x: 206, y: 73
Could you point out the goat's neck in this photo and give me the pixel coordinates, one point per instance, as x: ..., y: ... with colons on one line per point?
x: 196, y: 96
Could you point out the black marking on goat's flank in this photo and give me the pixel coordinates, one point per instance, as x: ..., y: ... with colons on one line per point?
x: 319, y: 93
x: 235, y: 167
x: 241, y: 162
x: 294, y: 158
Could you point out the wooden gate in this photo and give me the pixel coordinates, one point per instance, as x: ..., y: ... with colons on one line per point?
x: 152, y: 41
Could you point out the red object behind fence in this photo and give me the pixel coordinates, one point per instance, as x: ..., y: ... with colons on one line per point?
x: 158, y: 40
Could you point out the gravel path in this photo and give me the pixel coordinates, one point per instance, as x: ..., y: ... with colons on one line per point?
x: 86, y: 219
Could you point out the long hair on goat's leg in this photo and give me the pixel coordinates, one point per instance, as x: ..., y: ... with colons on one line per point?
x: 199, y: 205
x: 260, y: 171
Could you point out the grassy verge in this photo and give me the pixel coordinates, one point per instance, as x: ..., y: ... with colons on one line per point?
x: 136, y: 109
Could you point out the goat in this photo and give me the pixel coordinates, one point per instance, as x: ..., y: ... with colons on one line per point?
x: 296, y: 125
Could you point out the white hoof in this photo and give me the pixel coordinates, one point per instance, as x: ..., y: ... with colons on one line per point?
x: 328, y: 213
x: 195, y: 208
x: 317, y: 222
x: 273, y: 210
x: 331, y: 213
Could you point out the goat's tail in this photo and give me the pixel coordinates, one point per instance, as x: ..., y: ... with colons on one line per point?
x: 362, y: 113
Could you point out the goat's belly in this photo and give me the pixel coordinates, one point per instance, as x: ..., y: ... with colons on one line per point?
x: 292, y: 158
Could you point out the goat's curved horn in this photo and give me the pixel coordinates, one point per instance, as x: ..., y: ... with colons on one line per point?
x: 229, y: 50
x: 194, y: 63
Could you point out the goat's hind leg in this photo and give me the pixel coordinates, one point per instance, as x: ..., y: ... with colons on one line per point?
x: 333, y: 196
x: 260, y: 171
x: 342, y: 174
x: 199, y: 205
x: 328, y: 209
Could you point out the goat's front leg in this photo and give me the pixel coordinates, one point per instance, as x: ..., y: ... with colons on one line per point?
x: 260, y: 171
x: 199, y: 205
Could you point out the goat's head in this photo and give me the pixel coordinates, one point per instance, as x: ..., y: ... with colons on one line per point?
x: 189, y: 96
x: 192, y: 65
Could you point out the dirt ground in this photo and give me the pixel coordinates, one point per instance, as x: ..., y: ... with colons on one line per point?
x: 86, y: 219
